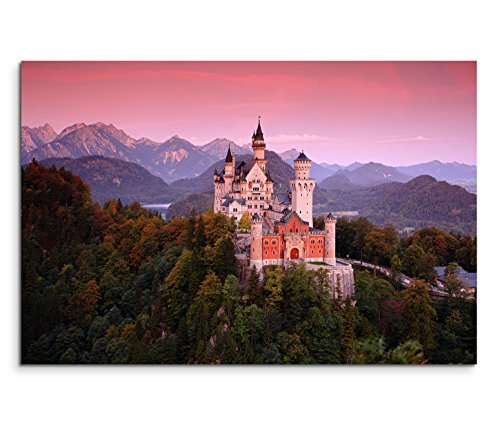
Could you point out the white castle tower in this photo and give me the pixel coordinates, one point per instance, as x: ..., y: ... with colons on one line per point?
x: 256, y: 244
x: 302, y: 188
x: 330, y: 223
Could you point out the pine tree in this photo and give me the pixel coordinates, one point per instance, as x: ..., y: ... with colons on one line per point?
x: 348, y: 338
x: 199, y: 238
x: 418, y: 316
x: 191, y: 230
x: 252, y: 293
x: 223, y: 257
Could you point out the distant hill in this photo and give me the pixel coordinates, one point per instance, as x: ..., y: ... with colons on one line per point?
x: 199, y: 202
x: 443, y: 171
x: 353, y: 166
x: 370, y: 174
x: 332, y: 167
x: 175, y: 158
x: 114, y: 178
x: 33, y: 138
x: 373, y: 173
x: 339, y: 181
x: 421, y: 202
x: 218, y: 148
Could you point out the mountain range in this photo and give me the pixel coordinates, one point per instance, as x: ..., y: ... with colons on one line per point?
x: 33, y: 138
x: 177, y: 158
x: 171, y: 160
x: 218, y: 148
x: 370, y: 174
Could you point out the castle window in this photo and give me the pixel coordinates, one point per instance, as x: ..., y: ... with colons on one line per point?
x: 235, y: 209
x: 266, y: 243
x: 261, y: 206
x: 266, y: 252
x: 312, y: 250
x: 273, y: 242
x: 312, y: 240
x: 273, y: 252
x: 320, y: 241
x: 320, y: 251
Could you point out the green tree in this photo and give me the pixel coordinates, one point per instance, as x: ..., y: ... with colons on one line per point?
x: 396, y: 268
x: 293, y: 349
x: 199, y: 239
x: 381, y: 245
x: 453, y: 338
x: 374, y: 351
x: 201, y: 319
x: 223, y: 257
x: 245, y: 222
x: 418, y: 316
x: 348, y: 338
x: 248, y: 331
x: 252, y: 293
x: 426, y: 268
x: 412, y: 260
x: 273, y: 287
x: 344, y: 237
x: 452, y: 284
x: 320, y: 335
x: 362, y: 227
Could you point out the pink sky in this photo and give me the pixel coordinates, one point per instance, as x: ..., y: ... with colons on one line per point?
x: 396, y: 113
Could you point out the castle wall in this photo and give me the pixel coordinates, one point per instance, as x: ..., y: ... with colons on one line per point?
x: 345, y: 274
x: 271, y: 247
x: 315, y: 246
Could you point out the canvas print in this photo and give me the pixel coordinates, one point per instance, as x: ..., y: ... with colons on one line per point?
x: 248, y: 213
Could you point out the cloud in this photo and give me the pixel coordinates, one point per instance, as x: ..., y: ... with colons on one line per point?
x: 291, y: 138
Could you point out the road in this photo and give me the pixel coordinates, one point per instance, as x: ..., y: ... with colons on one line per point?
x: 405, y: 280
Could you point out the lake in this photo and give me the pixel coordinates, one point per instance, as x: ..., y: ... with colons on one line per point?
x: 161, y: 208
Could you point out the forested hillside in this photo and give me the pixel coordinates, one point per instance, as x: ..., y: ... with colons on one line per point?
x: 118, y: 284
x: 111, y: 178
x: 421, y: 202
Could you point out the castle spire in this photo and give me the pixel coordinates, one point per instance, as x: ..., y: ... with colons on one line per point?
x: 259, y: 135
x: 229, y: 156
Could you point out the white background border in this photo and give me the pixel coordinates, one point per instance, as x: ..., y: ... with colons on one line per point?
x: 251, y: 30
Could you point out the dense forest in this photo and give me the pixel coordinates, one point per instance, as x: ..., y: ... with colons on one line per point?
x: 118, y: 284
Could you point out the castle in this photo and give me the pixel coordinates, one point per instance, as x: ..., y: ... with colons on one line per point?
x: 282, y: 224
